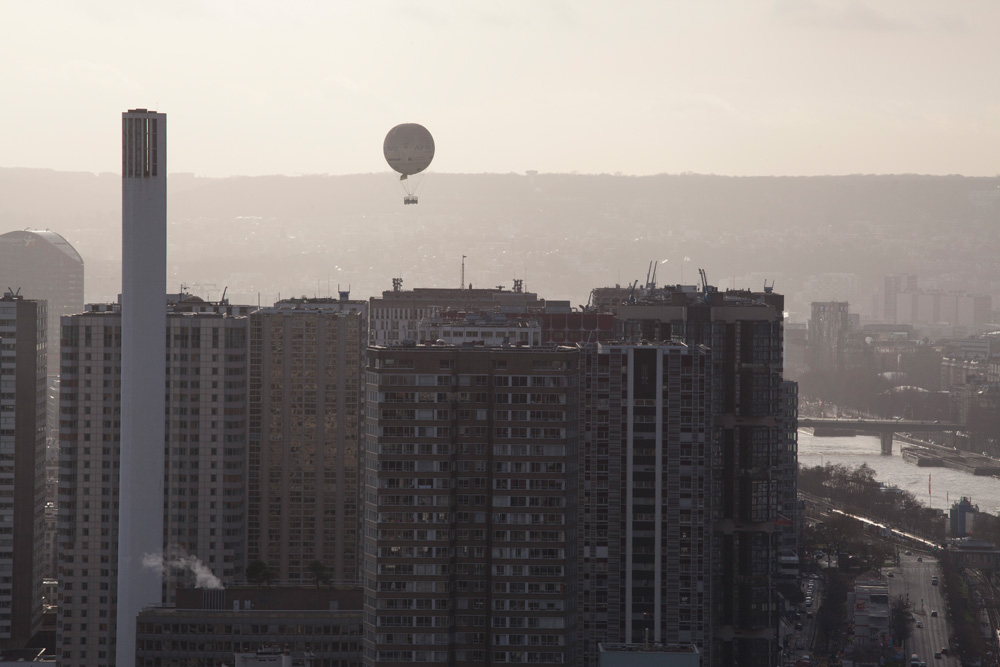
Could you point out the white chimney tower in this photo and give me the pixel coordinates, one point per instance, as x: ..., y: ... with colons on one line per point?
x: 144, y: 323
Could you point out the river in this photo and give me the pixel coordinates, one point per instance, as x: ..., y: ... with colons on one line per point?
x: 946, y: 486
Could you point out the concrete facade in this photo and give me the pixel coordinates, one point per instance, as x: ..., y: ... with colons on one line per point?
x: 22, y: 467
x: 396, y: 314
x: 470, y: 517
x: 750, y: 454
x: 203, y: 455
x: 207, y: 627
x: 144, y: 276
x: 305, y: 416
x: 645, y: 495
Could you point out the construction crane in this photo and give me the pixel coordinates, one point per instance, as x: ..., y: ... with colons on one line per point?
x: 651, y: 275
x: 631, y: 292
x: 706, y: 289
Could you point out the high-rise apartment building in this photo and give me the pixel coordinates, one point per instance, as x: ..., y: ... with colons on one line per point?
x: 305, y: 418
x: 470, y: 517
x: 144, y: 282
x: 645, y: 495
x: 39, y: 265
x: 203, y: 455
x: 748, y: 454
x: 89, y: 434
x: 22, y: 467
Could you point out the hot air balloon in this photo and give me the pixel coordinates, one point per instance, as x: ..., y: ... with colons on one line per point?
x: 409, y: 149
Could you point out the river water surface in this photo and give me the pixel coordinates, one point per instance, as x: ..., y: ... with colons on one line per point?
x: 946, y: 485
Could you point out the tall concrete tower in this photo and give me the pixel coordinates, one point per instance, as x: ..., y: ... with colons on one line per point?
x: 144, y: 287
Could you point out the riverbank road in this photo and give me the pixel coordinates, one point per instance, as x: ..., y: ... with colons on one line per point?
x: 916, y: 579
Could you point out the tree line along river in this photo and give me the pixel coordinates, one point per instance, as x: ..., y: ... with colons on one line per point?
x: 947, y: 486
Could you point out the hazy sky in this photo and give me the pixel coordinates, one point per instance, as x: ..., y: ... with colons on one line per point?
x: 742, y: 87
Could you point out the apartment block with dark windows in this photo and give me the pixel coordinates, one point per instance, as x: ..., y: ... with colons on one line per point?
x: 22, y: 467
x: 470, y: 516
x: 743, y: 330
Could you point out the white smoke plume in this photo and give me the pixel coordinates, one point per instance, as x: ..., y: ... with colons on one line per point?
x: 176, y: 558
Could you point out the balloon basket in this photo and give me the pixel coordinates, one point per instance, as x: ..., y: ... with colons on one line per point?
x: 409, y: 199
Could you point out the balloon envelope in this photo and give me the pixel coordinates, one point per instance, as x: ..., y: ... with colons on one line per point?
x: 408, y: 148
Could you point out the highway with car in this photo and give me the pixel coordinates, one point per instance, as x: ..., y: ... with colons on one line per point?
x: 917, y: 580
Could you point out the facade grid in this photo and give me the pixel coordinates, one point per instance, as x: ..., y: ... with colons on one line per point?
x: 470, y: 505
x: 645, y: 495
x: 22, y: 467
x: 744, y: 331
x: 305, y: 417
x: 203, y: 454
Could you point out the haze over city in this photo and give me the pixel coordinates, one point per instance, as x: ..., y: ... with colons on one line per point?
x: 691, y: 296
x: 776, y: 87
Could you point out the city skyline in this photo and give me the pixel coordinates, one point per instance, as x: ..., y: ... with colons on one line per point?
x: 758, y: 88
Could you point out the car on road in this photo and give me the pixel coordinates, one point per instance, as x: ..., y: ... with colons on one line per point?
x: 934, y: 613
x: 798, y: 626
x: 909, y: 553
x: 934, y: 581
x: 937, y: 654
x: 890, y: 575
x: 920, y: 559
x: 799, y: 645
x: 920, y: 624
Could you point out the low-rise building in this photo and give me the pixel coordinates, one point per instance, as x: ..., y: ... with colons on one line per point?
x: 869, y: 604
x: 648, y: 655
x: 209, y: 627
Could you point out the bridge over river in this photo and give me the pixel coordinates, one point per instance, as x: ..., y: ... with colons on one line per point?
x: 884, y: 427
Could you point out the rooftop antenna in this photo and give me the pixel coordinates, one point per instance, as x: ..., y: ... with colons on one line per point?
x: 461, y: 285
x: 222, y: 299
x: 397, y: 284
x: 768, y: 288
